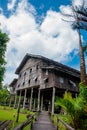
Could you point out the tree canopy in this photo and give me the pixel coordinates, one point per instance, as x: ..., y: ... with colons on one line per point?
x: 3, y: 40
x: 4, y: 96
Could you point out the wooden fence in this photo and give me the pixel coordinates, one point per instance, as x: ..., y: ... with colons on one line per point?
x: 24, y: 124
x: 64, y: 123
x: 5, y: 125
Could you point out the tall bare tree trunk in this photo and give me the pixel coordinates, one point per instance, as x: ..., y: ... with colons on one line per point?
x: 82, y: 61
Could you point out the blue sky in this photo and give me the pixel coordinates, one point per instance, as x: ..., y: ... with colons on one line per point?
x: 41, y: 6
x: 36, y: 26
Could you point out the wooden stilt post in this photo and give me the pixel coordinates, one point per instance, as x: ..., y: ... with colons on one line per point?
x: 31, y: 98
x: 38, y: 107
x: 41, y: 102
x: 15, y: 100
x: 29, y: 102
x: 53, y: 98
x: 18, y: 111
x: 76, y: 95
x: 24, y: 98
x: 34, y: 103
x: 10, y: 101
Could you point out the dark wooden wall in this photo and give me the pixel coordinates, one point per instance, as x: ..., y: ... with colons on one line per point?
x: 33, y: 75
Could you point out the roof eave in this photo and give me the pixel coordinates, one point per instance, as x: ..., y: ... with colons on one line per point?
x: 22, y: 64
x: 13, y: 82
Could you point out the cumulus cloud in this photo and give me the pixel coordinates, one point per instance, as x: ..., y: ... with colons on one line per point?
x: 77, y: 2
x: 53, y: 38
x: 80, y: 2
x: 11, y: 4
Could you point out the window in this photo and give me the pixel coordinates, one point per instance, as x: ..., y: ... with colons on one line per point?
x: 72, y: 83
x: 36, y: 67
x: 18, y: 85
x: 46, y: 80
x: 23, y: 83
x: 61, y: 79
x: 24, y: 73
x: 20, y: 75
x: 46, y: 72
x: 31, y: 70
x: 29, y: 81
x: 36, y: 80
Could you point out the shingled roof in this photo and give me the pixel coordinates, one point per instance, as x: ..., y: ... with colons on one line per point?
x: 13, y: 82
x: 56, y: 65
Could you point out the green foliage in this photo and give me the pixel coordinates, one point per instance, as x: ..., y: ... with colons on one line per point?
x: 7, y: 113
x: 4, y: 96
x: 3, y: 40
x: 67, y: 120
x: 25, y: 111
x: 83, y: 91
x: 10, y: 114
x: 85, y: 48
x: 75, y: 107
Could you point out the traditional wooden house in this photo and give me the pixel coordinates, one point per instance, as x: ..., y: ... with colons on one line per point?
x: 41, y: 79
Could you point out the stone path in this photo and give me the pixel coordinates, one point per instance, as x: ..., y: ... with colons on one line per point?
x: 43, y: 122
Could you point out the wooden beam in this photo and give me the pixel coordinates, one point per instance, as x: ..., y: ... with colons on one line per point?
x: 31, y: 98
x: 38, y: 107
x: 15, y: 100
x: 24, y: 98
x: 53, y: 98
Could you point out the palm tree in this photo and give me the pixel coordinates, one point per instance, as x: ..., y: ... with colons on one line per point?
x: 82, y: 60
x: 78, y: 23
x: 74, y: 107
x: 81, y: 18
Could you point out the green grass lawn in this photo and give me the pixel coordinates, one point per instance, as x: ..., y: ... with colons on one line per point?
x: 7, y: 113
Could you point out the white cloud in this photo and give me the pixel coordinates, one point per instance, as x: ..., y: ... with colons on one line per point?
x: 80, y: 2
x: 66, y: 39
x: 8, y: 77
x: 53, y: 38
x: 11, y: 4
x: 77, y: 2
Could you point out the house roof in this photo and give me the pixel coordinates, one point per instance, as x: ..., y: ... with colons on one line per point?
x: 13, y: 82
x: 52, y: 64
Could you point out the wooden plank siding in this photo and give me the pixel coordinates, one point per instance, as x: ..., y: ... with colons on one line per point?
x: 33, y: 74
x: 30, y: 74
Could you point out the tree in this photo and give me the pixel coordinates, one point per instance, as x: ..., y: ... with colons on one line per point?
x: 79, y: 17
x: 81, y: 23
x: 82, y: 60
x: 82, y: 17
x: 3, y: 40
x: 4, y: 96
x: 76, y: 108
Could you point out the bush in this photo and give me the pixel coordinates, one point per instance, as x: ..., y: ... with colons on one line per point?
x: 76, y: 108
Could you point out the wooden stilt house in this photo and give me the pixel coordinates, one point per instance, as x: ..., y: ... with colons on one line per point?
x: 41, y: 79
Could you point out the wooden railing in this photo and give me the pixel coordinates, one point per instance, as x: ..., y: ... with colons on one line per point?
x: 24, y: 124
x: 67, y: 87
x: 5, y: 125
x: 64, y: 123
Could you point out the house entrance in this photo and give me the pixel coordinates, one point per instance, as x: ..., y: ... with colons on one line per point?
x: 46, y: 104
x: 47, y: 100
